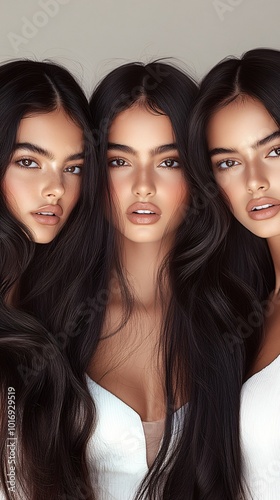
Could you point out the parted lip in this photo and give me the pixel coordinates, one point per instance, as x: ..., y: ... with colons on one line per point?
x: 55, y: 209
x: 143, y: 206
x: 261, y: 201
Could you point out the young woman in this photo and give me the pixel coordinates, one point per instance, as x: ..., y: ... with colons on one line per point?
x: 46, y: 183
x: 236, y: 124
x: 161, y: 367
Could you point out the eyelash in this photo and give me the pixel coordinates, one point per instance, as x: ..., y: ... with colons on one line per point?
x: 174, y: 160
x: 219, y: 163
x: 75, y: 166
x: 25, y: 159
x: 126, y: 163
x: 275, y: 149
x: 111, y: 161
x: 18, y: 162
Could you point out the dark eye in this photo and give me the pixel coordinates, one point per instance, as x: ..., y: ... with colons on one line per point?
x: 74, y: 169
x: 275, y: 152
x: 224, y: 164
x: 27, y: 163
x: 170, y: 163
x: 118, y: 162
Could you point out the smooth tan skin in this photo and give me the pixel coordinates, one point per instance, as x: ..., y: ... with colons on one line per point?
x: 255, y: 173
x: 48, y: 177
x: 127, y: 364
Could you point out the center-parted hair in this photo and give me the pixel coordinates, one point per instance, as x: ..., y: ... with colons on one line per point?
x: 241, y: 270
x: 204, y: 341
x: 257, y: 75
x: 202, y: 344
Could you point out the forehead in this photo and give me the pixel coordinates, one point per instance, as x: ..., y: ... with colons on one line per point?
x: 48, y: 127
x: 139, y: 127
x: 243, y: 121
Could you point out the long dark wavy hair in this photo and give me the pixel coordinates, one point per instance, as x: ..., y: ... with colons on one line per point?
x: 204, y: 340
x: 241, y: 255
x: 255, y: 74
x: 53, y: 412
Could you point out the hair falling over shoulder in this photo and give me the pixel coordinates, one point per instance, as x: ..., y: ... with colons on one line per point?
x: 42, y: 401
x: 227, y: 81
x: 204, y: 344
x: 239, y: 275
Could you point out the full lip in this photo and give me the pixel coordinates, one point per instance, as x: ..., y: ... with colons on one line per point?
x: 54, y: 209
x: 143, y: 206
x: 261, y: 201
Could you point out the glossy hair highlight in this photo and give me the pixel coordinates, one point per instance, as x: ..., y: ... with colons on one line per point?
x: 256, y: 74
x: 241, y: 270
x: 53, y: 412
x: 202, y: 344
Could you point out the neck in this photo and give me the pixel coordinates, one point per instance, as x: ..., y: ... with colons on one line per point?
x: 142, y: 262
x: 274, y: 247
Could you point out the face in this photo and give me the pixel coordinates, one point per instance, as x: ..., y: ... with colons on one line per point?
x: 42, y: 182
x: 244, y: 144
x: 146, y: 179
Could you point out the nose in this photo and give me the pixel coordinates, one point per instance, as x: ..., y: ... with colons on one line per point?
x: 144, y: 184
x: 256, y: 178
x: 53, y: 187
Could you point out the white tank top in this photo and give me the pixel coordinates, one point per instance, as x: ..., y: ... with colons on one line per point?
x: 118, y: 451
x: 260, y: 433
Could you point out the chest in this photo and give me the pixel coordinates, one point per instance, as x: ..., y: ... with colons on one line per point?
x: 260, y: 432
x: 128, y: 363
x: 270, y: 348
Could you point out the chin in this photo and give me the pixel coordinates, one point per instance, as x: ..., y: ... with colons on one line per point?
x: 144, y: 239
x: 44, y: 240
x: 265, y: 233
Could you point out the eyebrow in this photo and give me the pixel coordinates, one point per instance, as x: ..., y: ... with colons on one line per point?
x: 165, y: 148
x: 267, y: 139
x: 44, y: 152
x: 261, y: 142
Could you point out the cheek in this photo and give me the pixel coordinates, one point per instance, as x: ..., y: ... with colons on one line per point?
x: 178, y: 201
x: 13, y: 191
x: 185, y: 193
x: 9, y: 185
x: 274, y: 180
x: 118, y: 190
x: 114, y: 199
x: 181, y: 193
x: 231, y: 193
x: 231, y: 180
x: 73, y: 194
x: 226, y: 182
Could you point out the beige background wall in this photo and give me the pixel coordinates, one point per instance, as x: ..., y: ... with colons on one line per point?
x: 91, y: 37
